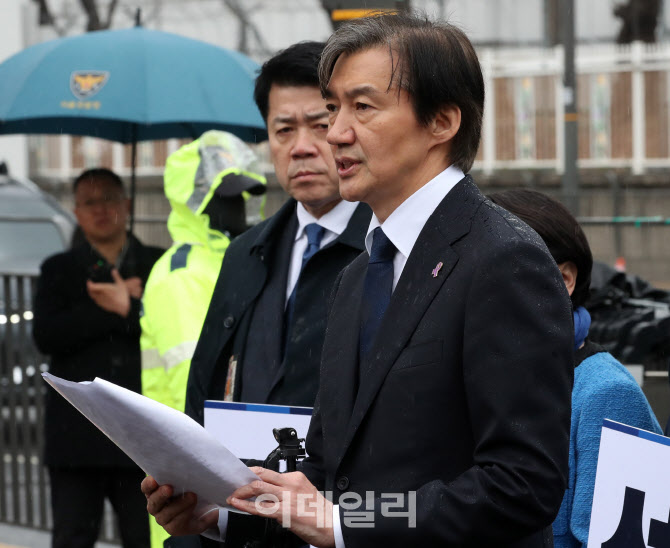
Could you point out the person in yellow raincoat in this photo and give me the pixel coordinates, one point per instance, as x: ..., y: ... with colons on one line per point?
x: 206, y: 182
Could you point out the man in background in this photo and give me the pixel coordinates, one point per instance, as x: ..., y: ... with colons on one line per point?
x: 87, y: 309
x: 262, y: 337
x: 261, y: 340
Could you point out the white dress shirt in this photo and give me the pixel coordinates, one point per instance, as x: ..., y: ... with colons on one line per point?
x: 335, y: 221
x: 403, y: 227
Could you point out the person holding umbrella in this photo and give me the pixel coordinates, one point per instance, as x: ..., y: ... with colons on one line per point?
x: 87, y: 309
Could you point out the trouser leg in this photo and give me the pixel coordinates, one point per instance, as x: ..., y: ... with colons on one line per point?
x: 77, y: 497
x: 130, y: 506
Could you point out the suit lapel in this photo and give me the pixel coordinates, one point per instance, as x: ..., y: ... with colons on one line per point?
x: 351, y: 236
x: 263, y: 249
x: 255, y: 272
x: 420, y: 281
x: 357, y: 226
x: 276, y: 301
x: 339, y: 358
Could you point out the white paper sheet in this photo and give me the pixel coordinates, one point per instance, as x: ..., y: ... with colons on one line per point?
x: 165, y: 443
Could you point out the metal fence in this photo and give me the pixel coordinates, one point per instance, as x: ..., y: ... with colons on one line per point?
x: 24, y: 481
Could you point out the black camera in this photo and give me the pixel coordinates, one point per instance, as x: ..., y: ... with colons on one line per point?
x: 100, y: 272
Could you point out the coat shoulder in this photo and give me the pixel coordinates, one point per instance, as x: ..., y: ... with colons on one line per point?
x: 264, y: 233
x: 497, y: 224
x: 58, y: 261
x: 248, y: 238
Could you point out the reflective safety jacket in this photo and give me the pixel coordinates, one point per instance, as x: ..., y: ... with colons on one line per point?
x: 181, y: 283
x: 180, y: 286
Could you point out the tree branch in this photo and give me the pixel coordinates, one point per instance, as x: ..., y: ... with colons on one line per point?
x: 246, y: 24
x: 91, y: 11
x: 110, y: 13
x: 47, y: 18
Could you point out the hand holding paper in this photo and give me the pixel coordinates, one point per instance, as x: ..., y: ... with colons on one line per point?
x: 177, y: 515
x: 165, y: 443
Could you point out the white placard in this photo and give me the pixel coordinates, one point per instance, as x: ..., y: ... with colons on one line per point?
x: 247, y: 428
x: 633, y: 464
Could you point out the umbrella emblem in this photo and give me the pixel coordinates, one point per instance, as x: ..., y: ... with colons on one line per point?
x: 86, y: 83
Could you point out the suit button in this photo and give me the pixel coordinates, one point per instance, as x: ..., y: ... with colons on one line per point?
x: 229, y: 322
x: 342, y: 483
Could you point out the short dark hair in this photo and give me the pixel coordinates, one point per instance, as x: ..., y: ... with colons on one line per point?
x: 96, y: 174
x: 433, y: 61
x: 559, y: 230
x: 297, y: 65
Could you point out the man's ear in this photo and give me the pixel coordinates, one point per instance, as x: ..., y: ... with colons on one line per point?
x: 446, y: 123
x: 569, y: 272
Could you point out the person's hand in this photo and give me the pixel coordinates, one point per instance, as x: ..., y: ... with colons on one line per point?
x: 175, y: 514
x: 290, y: 499
x: 134, y: 286
x: 113, y: 297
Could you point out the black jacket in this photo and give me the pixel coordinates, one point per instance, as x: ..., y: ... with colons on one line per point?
x: 464, y: 396
x: 248, y: 268
x: 84, y: 342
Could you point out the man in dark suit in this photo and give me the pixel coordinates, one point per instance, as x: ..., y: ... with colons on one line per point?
x: 262, y: 337
x: 443, y: 412
x: 87, y: 311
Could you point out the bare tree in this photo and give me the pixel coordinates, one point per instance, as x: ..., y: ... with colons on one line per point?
x: 247, y: 26
x: 98, y: 17
x: 61, y: 22
x: 92, y: 10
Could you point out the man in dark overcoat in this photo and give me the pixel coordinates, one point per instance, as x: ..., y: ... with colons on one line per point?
x: 86, y: 318
x: 443, y: 412
x: 262, y: 337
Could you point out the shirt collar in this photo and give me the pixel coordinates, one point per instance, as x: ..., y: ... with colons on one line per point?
x: 336, y: 220
x: 405, y: 224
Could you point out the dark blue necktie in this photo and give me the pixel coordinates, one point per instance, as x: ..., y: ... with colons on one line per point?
x: 377, y: 289
x: 314, y: 234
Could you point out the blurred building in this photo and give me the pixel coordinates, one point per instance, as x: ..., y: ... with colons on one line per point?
x: 623, y: 92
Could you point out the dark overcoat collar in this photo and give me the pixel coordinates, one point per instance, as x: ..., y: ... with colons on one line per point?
x: 351, y: 236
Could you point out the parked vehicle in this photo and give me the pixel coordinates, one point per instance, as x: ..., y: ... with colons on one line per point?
x: 32, y: 227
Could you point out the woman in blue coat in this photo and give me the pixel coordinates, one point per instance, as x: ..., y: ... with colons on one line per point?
x: 603, y: 387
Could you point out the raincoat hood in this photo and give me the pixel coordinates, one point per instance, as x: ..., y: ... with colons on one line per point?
x: 195, y: 172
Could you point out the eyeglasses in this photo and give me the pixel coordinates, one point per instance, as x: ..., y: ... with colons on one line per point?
x: 110, y: 200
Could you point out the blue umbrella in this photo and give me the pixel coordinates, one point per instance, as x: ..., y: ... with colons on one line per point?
x: 127, y: 86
